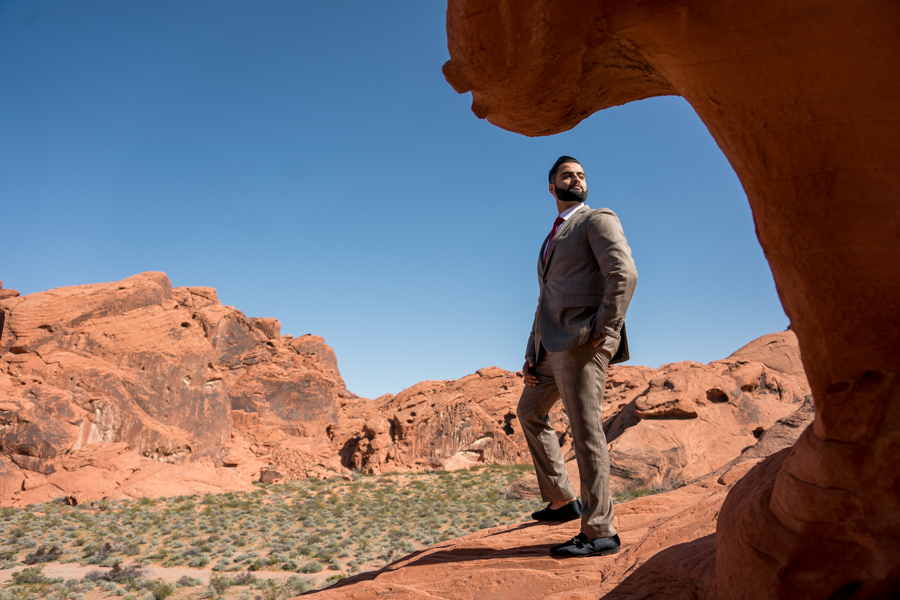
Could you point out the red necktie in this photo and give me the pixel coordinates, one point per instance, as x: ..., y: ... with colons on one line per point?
x: 559, y: 221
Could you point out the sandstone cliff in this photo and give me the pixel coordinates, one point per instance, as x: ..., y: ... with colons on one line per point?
x: 135, y: 388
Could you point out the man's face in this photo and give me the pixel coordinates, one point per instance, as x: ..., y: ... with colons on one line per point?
x: 570, y: 184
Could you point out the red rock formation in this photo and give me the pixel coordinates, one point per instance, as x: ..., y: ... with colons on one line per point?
x: 436, y: 424
x: 664, y: 425
x: 6, y: 294
x: 172, y: 374
x: 801, y: 99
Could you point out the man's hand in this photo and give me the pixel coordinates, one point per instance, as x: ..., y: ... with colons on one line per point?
x: 596, y: 343
x: 530, y: 378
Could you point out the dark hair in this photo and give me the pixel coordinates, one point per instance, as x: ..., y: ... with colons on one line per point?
x: 561, y: 161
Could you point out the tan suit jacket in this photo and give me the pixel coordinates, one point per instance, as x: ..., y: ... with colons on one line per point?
x: 585, y: 285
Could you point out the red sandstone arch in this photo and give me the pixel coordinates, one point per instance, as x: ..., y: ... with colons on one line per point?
x: 803, y: 97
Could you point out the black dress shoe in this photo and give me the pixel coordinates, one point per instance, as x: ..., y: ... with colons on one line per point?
x: 569, y: 512
x: 579, y: 546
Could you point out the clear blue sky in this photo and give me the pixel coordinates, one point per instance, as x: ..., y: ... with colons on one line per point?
x: 309, y: 161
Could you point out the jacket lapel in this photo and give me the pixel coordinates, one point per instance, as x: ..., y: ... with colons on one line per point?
x: 568, y: 224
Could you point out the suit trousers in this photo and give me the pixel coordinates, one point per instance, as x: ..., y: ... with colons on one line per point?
x: 578, y: 376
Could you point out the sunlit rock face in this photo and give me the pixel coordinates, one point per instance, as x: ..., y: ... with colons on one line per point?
x: 802, y: 98
x: 107, y: 387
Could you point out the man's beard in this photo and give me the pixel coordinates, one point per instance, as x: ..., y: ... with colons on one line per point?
x: 570, y: 195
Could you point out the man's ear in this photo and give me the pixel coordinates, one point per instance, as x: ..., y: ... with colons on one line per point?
x: 552, y: 189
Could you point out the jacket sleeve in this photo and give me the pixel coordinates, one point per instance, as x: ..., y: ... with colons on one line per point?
x: 529, y: 350
x: 617, y: 267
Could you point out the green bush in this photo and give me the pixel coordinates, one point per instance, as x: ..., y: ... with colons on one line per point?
x: 220, y: 583
x: 162, y: 590
x: 312, y: 566
x: 244, y: 578
x: 199, y: 561
x: 30, y: 576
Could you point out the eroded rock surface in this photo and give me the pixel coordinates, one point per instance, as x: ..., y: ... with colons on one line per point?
x: 665, y: 426
x: 135, y: 388
x: 800, y: 98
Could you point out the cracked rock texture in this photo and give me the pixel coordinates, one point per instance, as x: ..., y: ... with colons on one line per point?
x: 802, y: 98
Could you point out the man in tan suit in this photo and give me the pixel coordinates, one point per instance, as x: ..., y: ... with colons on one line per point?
x: 586, y: 277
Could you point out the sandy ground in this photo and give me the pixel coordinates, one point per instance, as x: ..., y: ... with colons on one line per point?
x: 77, y: 571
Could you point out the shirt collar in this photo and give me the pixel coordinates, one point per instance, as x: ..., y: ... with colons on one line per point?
x: 570, y: 211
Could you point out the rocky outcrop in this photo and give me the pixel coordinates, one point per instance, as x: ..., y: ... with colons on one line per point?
x: 665, y: 426
x: 437, y: 424
x: 167, y: 376
x: 798, y: 97
x: 6, y: 294
x: 690, y: 419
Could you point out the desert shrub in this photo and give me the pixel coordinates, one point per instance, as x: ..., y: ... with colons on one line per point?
x: 220, y: 583
x: 30, y: 576
x: 162, y: 590
x: 43, y: 554
x: 312, y: 566
x: 187, y: 581
x: 117, y: 574
x: 74, y: 584
x: 141, y: 584
x: 259, y: 564
x: 244, y: 578
x: 297, y: 585
x: 199, y: 561
x: 131, y: 549
x: 95, y: 553
x: 290, y: 565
